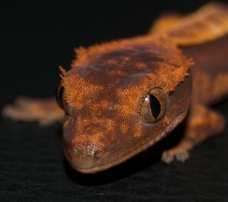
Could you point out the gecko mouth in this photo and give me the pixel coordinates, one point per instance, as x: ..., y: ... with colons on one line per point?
x: 94, y: 159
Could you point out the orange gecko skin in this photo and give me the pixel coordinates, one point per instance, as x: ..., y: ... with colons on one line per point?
x: 122, y: 97
x: 105, y: 93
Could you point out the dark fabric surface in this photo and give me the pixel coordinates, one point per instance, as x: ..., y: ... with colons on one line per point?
x: 36, y: 37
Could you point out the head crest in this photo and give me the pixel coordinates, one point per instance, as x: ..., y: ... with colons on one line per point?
x: 62, y: 72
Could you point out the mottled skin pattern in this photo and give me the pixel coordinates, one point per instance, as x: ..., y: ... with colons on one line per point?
x: 124, y: 96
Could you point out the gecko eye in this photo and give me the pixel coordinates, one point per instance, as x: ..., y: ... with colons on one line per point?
x: 60, y: 97
x: 154, y: 105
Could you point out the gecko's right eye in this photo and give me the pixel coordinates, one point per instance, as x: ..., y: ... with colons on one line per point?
x: 61, y: 98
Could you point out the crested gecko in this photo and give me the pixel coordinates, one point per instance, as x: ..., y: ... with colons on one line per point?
x: 121, y: 97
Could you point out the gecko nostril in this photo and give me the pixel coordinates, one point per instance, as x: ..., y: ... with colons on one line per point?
x: 92, y: 151
x: 98, y: 154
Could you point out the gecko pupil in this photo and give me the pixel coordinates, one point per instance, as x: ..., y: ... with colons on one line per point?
x: 155, y: 106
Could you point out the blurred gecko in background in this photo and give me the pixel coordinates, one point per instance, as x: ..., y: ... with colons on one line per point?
x: 121, y: 97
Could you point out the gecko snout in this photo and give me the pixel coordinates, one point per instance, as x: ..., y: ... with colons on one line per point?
x: 83, y: 157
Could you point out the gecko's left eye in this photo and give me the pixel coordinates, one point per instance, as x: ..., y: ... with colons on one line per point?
x: 154, y: 105
x: 61, y: 99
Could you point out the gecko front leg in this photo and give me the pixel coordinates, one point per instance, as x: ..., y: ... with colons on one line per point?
x: 45, y: 111
x: 202, y: 123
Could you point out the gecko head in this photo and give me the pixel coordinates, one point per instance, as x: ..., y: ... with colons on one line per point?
x: 120, y: 102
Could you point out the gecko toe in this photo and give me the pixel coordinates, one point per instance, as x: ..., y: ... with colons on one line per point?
x: 182, y: 156
x: 167, y: 158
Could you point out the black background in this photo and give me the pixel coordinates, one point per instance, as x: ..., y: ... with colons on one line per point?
x: 38, y: 36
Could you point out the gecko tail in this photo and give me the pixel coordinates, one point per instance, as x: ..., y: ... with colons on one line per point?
x: 208, y: 23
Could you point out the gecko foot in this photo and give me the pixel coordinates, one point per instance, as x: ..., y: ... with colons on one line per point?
x: 45, y: 111
x: 178, y: 153
x: 173, y: 154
